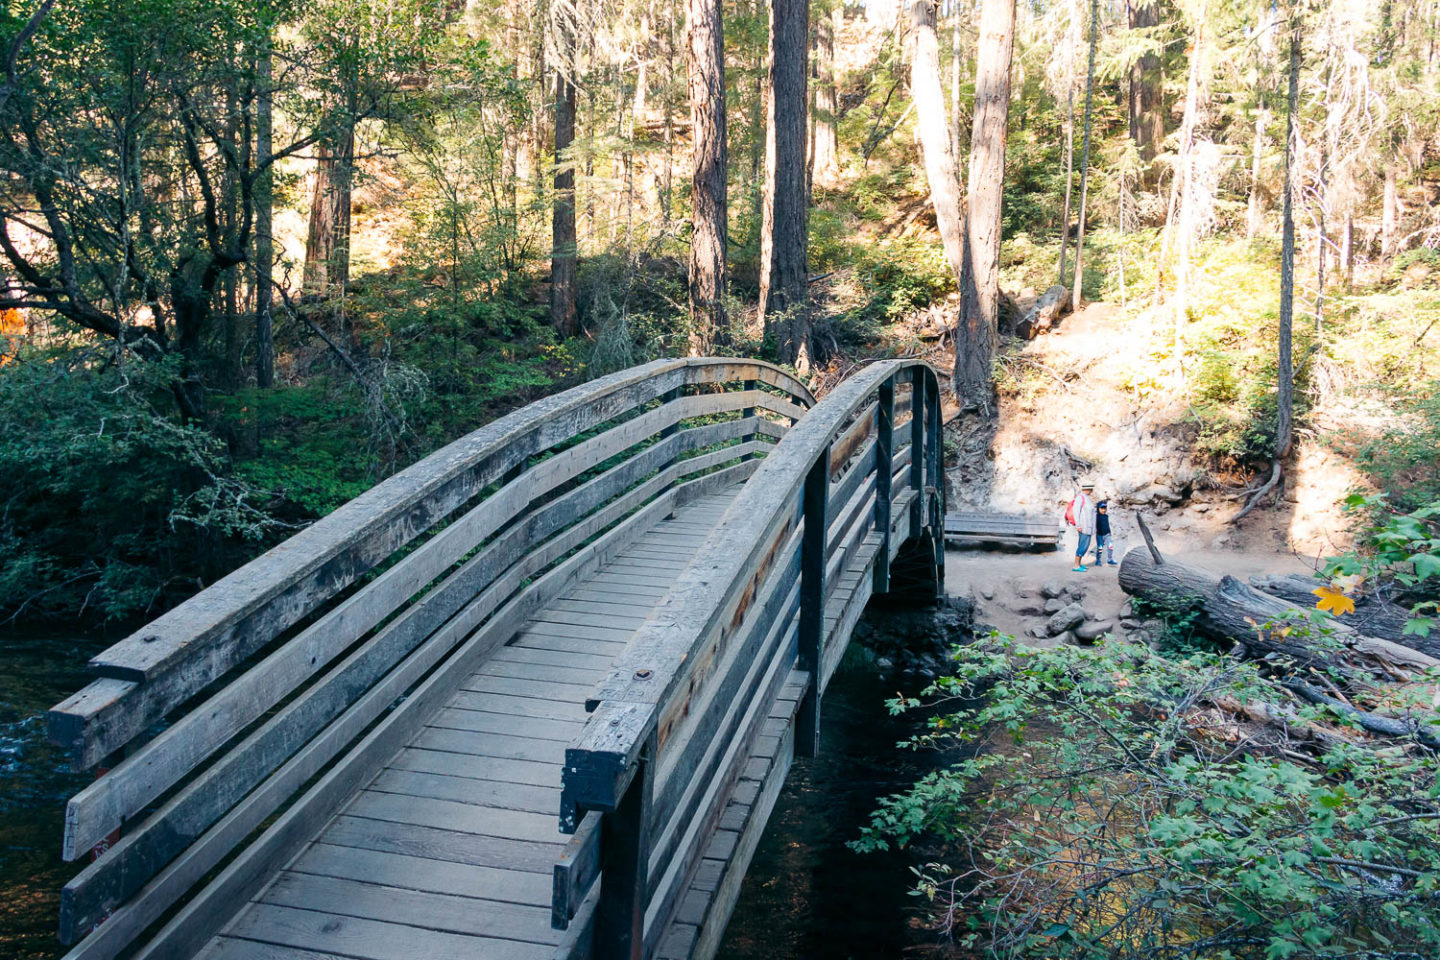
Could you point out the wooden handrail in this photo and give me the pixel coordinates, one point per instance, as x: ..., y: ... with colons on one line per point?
x: 517, y: 511
x: 727, y: 636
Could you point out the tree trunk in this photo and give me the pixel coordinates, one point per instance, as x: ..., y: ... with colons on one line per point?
x: 825, y: 158
x: 1075, y: 296
x: 562, y: 219
x: 327, y: 244
x: 1285, y: 398
x: 935, y: 141
x: 1255, y: 216
x: 1390, y: 215
x: 1347, y: 251
x: 1226, y: 609
x: 783, y: 274
x: 1069, y: 179
x: 1147, y: 77
x: 264, y: 231
x: 1374, y: 616
x: 976, y: 329
x: 704, y: 29
x: 956, y: 42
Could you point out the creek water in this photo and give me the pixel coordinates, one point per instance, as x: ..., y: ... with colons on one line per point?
x: 37, y: 670
x: 807, y: 895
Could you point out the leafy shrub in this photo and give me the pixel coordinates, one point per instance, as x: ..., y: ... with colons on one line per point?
x: 111, y: 505
x: 1104, y: 810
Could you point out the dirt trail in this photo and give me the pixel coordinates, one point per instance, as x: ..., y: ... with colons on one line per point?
x: 1090, y: 400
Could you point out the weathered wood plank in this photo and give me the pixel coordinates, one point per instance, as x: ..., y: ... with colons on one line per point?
x: 433, y: 911
x: 557, y: 658
x: 471, y: 744
x: 437, y: 843
x: 490, y: 793
x: 371, y: 939
x: 575, y: 871
x: 461, y: 817
x: 538, y: 773
x: 427, y: 873
x: 519, y: 706
x: 480, y: 721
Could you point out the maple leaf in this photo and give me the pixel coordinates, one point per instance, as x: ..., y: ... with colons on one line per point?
x: 1333, y: 601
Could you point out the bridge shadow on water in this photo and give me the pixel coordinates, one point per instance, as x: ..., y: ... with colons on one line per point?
x: 806, y: 894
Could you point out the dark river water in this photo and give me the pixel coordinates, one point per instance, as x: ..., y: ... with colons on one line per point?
x: 36, y: 672
x: 807, y: 895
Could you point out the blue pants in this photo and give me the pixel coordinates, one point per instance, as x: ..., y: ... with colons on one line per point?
x: 1081, y: 545
x: 1106, y: 542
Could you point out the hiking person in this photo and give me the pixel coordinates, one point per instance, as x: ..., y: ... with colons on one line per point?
x: 1103, y: 538
x: 1081, y: 515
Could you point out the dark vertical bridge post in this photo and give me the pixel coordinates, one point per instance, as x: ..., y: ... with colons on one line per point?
x: 884, y: 470
x: 816, y: 513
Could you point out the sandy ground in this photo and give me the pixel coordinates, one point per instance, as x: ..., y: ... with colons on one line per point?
x: 1005, y: 584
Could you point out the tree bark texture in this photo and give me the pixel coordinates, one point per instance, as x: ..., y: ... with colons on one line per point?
x: 327, y: 244
x: 264, y: 225
x: 1390, y: 213
x: 704, y: 30
x: 976, y: 330
x: 1147, y: 77
x: 1069, y: 179
x: 562, y: 218
x: 1285, y: 398
x: 1075, y: 296
x: 1226, y: 609
x: 935, y: 140
x: 825, y: 158
x: 783, y: 272
x: 1374, y: 616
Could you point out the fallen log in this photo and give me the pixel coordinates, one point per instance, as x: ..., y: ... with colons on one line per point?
x: 1374, y: 615
x: 1044, y: 312
x: 1228, y: 610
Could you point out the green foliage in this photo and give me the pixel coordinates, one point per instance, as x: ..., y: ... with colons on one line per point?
x: 1100, y: 811
x: 111, y: 506
x: 1396, y: 548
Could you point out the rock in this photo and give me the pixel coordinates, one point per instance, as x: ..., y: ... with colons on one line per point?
x: 885, y: 663
x: 1162, y: 492
x: 1066, y: 637
x: 987, y: 593
x: 1051, y: 589
x: 1127, y: 608
x: 1069, y: 616
x: 1130, y: 624
x: 1054, y: 605
x: 1075, y: 591
x: 1093, y: 629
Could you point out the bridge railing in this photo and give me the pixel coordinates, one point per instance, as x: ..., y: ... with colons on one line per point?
x: 672, y: 725
x: 235, y: 725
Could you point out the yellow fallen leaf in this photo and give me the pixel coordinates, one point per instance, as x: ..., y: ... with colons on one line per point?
x: 1347, y: 583
x: 1333, y: 601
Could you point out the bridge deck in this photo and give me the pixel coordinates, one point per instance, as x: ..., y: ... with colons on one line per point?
x: 448, y: 852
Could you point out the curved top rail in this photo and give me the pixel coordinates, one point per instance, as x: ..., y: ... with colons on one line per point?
x: 186, y: 649
x: 724, y: 568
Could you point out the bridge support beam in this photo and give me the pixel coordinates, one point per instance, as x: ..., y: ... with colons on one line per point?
x: 815, y: 510
x: 884, y: 469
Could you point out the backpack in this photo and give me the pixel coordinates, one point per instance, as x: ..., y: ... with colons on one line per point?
x: 1070, y: 514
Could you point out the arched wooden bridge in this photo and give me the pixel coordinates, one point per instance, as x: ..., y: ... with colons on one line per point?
x: 533, y: 697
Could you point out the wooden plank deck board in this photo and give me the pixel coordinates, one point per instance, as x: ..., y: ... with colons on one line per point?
x: 449, y: 849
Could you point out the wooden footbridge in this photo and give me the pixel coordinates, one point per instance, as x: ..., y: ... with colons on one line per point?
x: 534, y: 696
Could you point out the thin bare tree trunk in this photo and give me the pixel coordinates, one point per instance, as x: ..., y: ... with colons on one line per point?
x: 1347, y: 251
x: 825, y: 158
x: 562, y: 220
x: 935, y: 141
x: 956, y: 42
x: 327, y: 243
x: 1390, y: 215
x: 706, y: 60
x: 1255, y: 216
x: 783, y: 272
x: 976, y: 329
x: 264, y: 230
x: 1069, y: 179
x: 1285, y: 400
x: 1085, y: 155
